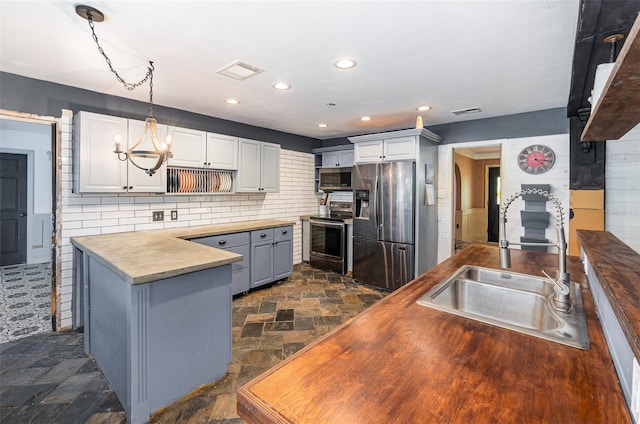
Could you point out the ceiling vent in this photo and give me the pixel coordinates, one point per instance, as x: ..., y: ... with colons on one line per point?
x: 466, y: 111
x: 239, y: 70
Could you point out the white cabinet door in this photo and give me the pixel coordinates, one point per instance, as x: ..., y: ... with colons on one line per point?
x: 248, y: 165
x: 330, y: 159
x: 399, y: 148
x: 138, y: 180
x: 97, y: 168
x: 270, y: 168
x: 189, y: 147
x: 222, y: 151
x: 345, y: 158
x: 368, y: 151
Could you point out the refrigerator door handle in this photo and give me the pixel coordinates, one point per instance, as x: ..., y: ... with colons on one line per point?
x: 378, y: 209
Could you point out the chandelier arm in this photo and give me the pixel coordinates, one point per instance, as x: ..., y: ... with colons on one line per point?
x: 149, y: 171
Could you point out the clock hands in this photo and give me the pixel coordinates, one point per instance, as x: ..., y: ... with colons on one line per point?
x: 540, y: 161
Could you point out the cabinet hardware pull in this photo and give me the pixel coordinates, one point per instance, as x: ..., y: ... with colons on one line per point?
x: 284, y: 231
x: 221, y: 242
x: 124, y: 188
x: 263, y: 235
x: 130, y: 187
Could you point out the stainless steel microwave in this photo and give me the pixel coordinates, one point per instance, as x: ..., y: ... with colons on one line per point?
x: 335, y: 179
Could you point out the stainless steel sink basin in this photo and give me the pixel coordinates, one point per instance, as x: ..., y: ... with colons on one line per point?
x: 506, y: 299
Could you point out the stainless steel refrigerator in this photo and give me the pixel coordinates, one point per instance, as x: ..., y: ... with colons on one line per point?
x: 383, y: 223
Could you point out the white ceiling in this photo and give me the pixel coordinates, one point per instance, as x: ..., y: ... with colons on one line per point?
x: 504, y: 57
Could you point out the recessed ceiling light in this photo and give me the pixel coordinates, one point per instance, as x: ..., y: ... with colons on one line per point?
x: 231, y: 101
x: 365, y: 118
x: 323, y: 125
x: 423, y: 108
x: 345, y: 63
x: 281, y: 86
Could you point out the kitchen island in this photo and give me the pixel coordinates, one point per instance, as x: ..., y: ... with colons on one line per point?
x: 401, y: 362
x: 157, y: 310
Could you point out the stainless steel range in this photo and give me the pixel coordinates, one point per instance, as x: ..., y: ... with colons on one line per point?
x: 329, y: 238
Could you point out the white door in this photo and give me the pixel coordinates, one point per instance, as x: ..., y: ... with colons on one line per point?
x: 189, y: 147
x: 399, y: 148
x: 248, y: 165
x: 222, y: 151
x: 368, y: 151
x: 100, y: 171
x: 270, y: 169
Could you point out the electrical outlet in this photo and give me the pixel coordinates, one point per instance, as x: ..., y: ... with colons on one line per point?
x: 174, y: 215
x: 158, y: 216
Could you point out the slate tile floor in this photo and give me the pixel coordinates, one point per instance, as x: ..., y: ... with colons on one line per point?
x: 25, y: 300
x: 49, y: 379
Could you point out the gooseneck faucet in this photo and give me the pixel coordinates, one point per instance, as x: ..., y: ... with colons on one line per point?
x: 561, y: 283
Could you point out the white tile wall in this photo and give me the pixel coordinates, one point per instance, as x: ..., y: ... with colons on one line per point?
x: 91, y: 214
x: 622, y: 194
x: 512, y: 178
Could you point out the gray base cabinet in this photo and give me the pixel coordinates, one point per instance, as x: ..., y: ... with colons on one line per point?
x: 237, y: 243
x: 271, y: 255
x: 158, y: 341
x: 267, y: 256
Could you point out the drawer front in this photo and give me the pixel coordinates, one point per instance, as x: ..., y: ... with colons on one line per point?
x: 225, y: 241
x: 262, y: 235
x: 245, y: 251
x: 283, y: 233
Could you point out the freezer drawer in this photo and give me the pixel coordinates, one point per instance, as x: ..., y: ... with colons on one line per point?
x: 383, y: 264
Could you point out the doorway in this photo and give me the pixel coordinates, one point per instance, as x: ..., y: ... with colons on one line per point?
x: 13, y: 209
x: 493, y: 204
x: 28, y: 267
x: 473, y: 187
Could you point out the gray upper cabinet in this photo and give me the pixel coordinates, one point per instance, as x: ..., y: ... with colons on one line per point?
x: 222, y: 151
x: 258, y: 167
x: 97, y: 168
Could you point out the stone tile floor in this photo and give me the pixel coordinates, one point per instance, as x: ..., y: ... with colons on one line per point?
x: 49, y: 379
x: 25, y: 300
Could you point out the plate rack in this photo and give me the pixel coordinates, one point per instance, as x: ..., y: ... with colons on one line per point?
x: 188, y: 180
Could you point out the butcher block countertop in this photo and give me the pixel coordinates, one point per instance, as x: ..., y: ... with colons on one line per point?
x: 617, y: 267
x: 144, y: 256
x: 399, y: 362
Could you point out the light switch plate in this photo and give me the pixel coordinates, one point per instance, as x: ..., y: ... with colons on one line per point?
x: 174, y: 215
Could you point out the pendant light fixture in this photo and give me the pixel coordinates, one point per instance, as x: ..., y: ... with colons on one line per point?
x: 161, y: 151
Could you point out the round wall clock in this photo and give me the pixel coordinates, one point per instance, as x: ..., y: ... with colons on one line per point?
x: 536, y: 159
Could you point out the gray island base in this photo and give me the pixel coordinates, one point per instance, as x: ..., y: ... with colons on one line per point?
x: 158, y: 341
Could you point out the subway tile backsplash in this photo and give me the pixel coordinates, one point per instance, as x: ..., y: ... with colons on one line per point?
x: 92, y: 214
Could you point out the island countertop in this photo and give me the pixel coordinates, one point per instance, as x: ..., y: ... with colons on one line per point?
x: 145, y: 256
x: 402, y: 362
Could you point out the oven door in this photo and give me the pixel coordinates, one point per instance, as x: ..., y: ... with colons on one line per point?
x: 328, y: 245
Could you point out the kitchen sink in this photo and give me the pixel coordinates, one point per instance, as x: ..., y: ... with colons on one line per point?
x: 510, y: 300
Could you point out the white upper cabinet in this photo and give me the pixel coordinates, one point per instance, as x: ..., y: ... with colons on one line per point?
x: 222, y: 151
x: 189, y: 147
x: 387, y: 149
x: 97, y: 168
x: 258, y: 167
x: 199, y: 149
x: 337, y: 158
x: 368, y: 151
x: 399, y: 148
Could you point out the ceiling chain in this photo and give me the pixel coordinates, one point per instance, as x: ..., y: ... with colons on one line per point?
x: 129, y: 86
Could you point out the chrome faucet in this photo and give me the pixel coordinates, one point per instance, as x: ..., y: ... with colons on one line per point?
x: 561, y: 283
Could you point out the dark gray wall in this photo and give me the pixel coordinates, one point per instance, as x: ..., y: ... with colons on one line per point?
x: 21, y: 94
x: 529, y: 124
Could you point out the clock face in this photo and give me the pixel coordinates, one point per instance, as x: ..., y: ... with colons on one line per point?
x: 536, y: 159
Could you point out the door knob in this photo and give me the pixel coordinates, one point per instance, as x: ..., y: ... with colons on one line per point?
x: 22, y: 215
